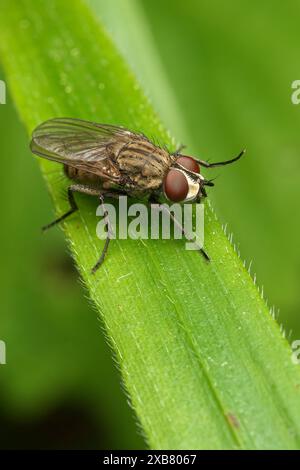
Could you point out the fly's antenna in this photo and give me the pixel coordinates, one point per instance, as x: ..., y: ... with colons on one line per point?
x: 208, y: 182
x: 226, y: 162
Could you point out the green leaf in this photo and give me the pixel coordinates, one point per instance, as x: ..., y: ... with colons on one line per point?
x: 50, y: 366
x: 202, y: 359
x: 233, y: 88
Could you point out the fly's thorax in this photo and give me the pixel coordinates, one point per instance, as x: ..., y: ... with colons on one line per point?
x: 144, y: 164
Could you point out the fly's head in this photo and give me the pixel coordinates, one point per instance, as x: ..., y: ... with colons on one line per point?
x: 184, y: 182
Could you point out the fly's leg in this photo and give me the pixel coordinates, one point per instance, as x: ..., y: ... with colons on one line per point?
x: 162, y: 207
x: 73, y: 208
x: 79, y: 188
x: 109, y: 232
x: 226, y: 162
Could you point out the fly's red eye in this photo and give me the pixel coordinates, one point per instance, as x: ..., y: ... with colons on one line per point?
x: 176, y: 186
x: 189, y: 163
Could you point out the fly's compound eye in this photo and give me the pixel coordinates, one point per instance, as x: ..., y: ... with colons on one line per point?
x: 176, y: 186
x: 188, y: 163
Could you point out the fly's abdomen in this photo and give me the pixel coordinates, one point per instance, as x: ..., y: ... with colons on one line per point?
x: 82, y: 177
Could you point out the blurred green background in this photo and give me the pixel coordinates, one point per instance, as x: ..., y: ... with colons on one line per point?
x: 220, y: 74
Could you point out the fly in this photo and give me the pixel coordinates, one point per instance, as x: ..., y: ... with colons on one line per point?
x: 108, y: 161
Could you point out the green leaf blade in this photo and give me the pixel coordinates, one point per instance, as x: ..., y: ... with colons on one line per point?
x: 203, y: 361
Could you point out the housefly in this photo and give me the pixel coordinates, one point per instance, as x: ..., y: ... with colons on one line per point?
x: 108, y: 161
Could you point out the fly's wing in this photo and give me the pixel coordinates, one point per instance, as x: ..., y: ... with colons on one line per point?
x: 82, y: 144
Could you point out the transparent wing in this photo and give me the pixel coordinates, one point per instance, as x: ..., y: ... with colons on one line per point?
x: 82, y: 144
